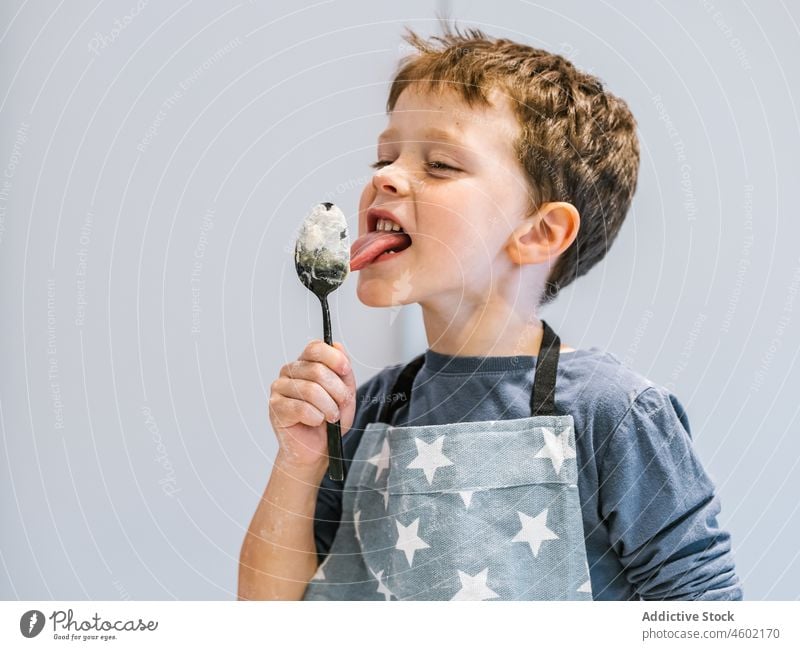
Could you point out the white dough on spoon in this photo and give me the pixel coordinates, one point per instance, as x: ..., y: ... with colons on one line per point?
x: 323, y: 245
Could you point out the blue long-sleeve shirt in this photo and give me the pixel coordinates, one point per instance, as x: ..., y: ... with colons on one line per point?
x: 649, y: 508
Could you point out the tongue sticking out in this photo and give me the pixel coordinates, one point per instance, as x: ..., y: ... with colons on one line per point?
x: 369, y: 247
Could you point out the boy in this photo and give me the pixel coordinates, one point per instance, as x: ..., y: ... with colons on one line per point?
x: 504, y: 174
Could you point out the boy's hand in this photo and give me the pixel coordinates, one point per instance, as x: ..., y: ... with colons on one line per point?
x: 318, y: 387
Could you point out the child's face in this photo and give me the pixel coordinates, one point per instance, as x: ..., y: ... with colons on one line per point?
x: 459, y: 219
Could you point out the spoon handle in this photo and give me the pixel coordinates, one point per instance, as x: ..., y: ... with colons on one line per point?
x: 335, y: 453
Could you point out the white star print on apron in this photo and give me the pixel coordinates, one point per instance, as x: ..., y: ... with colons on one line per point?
x: 466, y: 511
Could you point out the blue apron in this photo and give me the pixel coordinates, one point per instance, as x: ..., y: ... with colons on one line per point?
x: 467, y: 511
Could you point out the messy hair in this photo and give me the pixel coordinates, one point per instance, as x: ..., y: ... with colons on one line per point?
x: 577, y: 141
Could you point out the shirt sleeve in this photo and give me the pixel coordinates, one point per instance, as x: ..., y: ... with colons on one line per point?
x: 661, y: 508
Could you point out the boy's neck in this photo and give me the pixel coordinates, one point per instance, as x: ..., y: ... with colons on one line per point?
x: 484, y: 333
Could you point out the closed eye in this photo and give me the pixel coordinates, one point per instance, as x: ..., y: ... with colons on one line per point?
x: 435, y: 165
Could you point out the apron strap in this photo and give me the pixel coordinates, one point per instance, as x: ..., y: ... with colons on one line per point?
x: 542, y: 394
x: 401, y: 391
x: 544, y: 380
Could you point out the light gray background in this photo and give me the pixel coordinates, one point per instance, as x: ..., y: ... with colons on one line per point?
x: 279, y: 106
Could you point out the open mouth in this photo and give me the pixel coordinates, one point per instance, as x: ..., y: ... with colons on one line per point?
x: 387, y: 241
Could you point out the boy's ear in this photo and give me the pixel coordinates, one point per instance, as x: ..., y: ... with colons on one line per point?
x: 544, y: 235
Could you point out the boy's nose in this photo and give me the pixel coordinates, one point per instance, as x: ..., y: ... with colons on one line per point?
x: 391, y: 181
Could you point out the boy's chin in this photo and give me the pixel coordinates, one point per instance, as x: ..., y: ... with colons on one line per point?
x: 378, y: 293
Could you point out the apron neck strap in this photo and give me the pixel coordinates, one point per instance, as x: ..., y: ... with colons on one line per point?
x: 544, y: 380
x: 401, y: 391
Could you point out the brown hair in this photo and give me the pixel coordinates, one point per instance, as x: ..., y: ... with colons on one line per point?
x: 578, y: 141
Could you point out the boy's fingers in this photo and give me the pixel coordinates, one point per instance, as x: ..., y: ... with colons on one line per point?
x: 347, y: 376
x: 333, y: 357
x: 345, y: 367
x: 340, y: 347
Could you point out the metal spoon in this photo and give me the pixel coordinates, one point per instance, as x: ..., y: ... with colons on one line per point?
x: 322, y: 261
